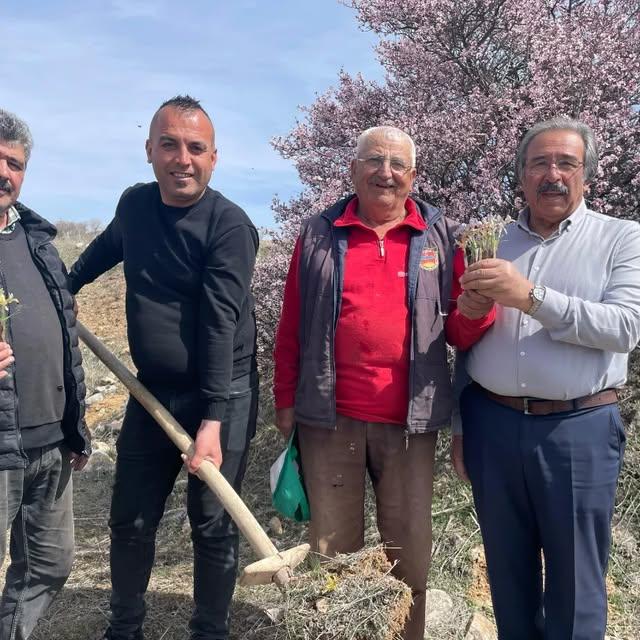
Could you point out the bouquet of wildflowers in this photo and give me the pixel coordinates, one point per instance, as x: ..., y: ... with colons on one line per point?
x: 5, y: 312
x: 479, y: 239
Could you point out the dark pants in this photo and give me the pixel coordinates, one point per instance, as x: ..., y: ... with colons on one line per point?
x: 36, y: 503
x: 335, y: 463
x: 544, y: 483
x: 146, y: 468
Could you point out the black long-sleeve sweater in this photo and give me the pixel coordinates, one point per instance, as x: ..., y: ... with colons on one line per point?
x: 190, y: 313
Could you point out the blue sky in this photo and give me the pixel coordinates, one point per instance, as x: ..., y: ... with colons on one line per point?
x: 88, y: 76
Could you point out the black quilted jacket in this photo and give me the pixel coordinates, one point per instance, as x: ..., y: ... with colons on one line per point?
x: 40, y: 235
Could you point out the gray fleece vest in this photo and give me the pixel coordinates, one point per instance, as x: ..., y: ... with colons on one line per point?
x: 322, y: 251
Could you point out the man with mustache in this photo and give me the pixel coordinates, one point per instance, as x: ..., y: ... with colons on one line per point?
x: 542, y: 439
x: 43, y: 436
x: 361, y: 361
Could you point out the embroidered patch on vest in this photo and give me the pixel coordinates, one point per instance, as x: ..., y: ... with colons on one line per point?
x: 429, y: 259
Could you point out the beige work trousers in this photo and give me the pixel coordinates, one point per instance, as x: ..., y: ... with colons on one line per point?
x: 334, y: 463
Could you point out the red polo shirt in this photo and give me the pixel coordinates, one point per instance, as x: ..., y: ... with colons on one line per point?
x: 374, y: 328
x: 373, y: 333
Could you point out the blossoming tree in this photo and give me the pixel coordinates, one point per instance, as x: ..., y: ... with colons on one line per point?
x: 465, y: 80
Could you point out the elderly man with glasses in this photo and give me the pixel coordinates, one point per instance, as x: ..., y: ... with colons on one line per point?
x: 361, y: 363
x: 543, y: 438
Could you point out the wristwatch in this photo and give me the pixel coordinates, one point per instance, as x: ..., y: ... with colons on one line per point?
x: 536, y: 294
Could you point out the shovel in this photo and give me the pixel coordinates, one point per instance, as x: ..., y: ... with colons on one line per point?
x: 273, y: 566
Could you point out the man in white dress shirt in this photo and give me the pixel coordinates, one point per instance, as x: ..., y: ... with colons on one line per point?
x: 543, y: 440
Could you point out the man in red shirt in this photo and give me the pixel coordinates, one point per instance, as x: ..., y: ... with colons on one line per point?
x: 361, y: 363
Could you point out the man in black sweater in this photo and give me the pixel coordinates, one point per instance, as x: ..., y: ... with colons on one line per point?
x: 188, y: 255
x: 42, y: 431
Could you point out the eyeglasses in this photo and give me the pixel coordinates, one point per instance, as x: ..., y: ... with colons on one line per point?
x: 566, y: 168
x: 375, y: 163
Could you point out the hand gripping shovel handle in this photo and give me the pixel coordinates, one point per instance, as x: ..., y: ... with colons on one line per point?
x: 208, y: 472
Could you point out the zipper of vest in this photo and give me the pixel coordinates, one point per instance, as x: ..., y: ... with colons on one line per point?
x: 3, y: 284
x: 381, y: 246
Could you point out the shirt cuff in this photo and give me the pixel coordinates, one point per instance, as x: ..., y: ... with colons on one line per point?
x: 284, y: 399
x: 463, y: 332
x: 72, y: 285
x: 471, y: 324
x: 215, y: 410
x: 553, y: 309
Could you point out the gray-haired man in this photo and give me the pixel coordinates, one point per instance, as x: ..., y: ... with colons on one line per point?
x: 543, y: 438
x: 42, y: 442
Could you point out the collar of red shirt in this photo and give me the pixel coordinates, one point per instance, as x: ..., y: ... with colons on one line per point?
x: 412, y: 219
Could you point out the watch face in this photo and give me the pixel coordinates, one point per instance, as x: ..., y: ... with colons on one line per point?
x: 538, y: 293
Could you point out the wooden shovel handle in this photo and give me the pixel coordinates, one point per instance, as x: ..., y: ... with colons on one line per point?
x: 208, y: 472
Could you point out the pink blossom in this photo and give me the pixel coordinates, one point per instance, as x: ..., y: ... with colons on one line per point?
x: 466, y: 80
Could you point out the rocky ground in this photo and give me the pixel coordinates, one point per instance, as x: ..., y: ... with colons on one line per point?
x: 459, y: 603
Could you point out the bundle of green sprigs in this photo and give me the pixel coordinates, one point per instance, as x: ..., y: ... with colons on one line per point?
x: 479, y: 239
x: 6, y: 300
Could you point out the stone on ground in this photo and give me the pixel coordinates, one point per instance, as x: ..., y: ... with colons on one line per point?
x: 438, y: 607
x: 480, y: 628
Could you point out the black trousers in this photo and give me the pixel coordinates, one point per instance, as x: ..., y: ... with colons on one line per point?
x: 146, y: 468
x: 544, y: 484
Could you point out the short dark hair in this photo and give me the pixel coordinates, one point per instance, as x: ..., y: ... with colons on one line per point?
x: 183, y: 103
x: 566, y: 124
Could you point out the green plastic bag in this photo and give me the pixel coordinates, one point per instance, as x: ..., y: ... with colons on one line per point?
x: 287, y: 486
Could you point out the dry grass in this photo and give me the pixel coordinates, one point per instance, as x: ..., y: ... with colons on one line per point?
x: 352, y: 596
x: 624, y: 572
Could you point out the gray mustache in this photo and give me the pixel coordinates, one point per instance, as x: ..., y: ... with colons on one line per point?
x: 553, y: 187
x: 5, y: 185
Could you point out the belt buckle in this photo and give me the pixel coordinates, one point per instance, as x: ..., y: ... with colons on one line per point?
x: 525, y: 401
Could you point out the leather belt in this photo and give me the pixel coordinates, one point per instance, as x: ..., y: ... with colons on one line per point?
x: 541, y: 407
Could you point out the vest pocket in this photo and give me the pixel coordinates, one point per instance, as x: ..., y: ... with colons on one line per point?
x: 428, y: 286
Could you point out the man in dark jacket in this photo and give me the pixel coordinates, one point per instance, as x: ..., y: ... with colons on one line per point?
x: 361, y: 361
x: 42, y: 431
x: 188, y: 256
